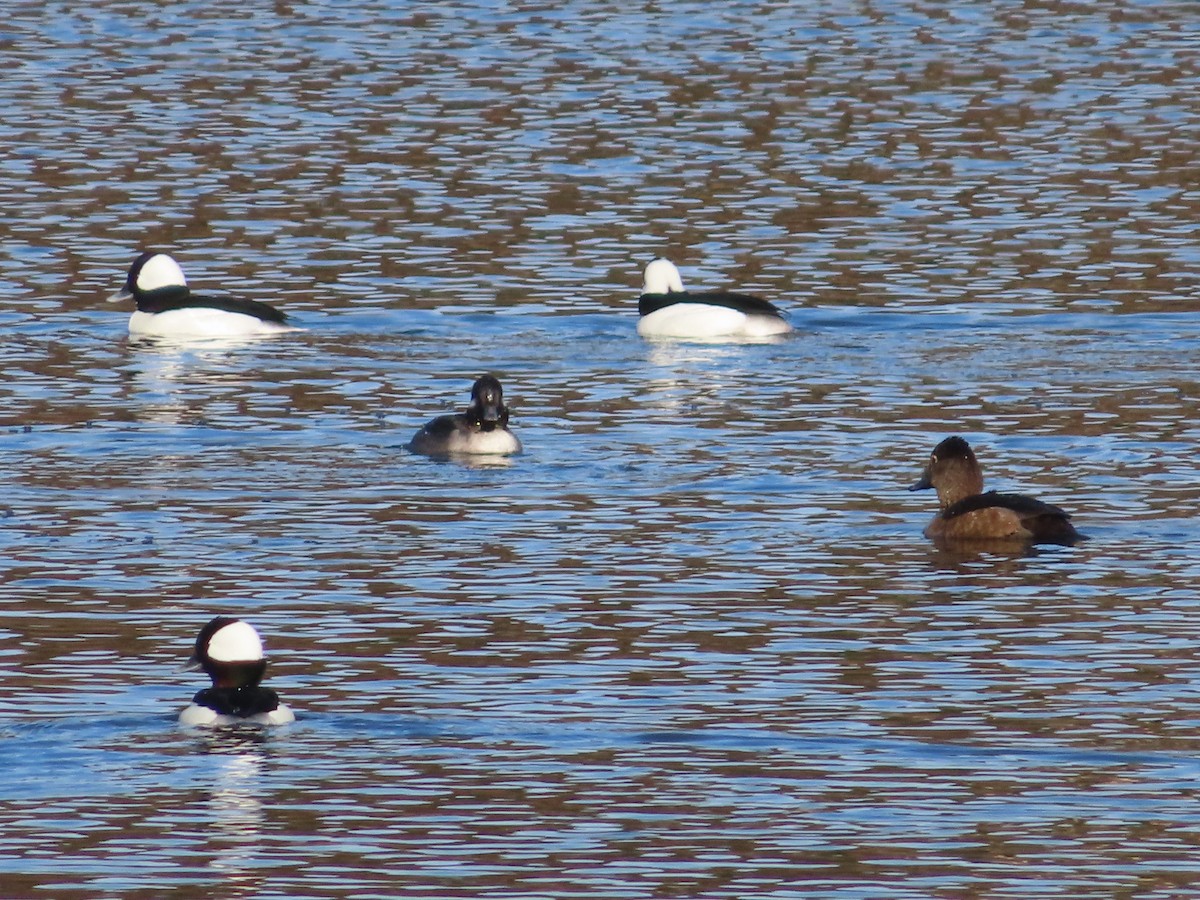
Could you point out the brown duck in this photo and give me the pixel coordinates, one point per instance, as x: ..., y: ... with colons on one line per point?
x: 968, y: 514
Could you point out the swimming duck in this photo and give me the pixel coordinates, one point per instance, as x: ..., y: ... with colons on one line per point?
x: 481, y: 429
x: 968, y: 514
x: 667, y: 310
x: 231, y: 654
x: 166, y: 307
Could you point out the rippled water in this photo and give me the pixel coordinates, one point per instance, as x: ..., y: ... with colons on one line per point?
x: 692, y: 642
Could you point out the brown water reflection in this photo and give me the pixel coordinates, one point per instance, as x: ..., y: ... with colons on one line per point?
x: 692, y: 642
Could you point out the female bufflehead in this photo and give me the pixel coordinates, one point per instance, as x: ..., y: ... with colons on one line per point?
x: 230, y: 651
x: 483, y: 428
x: 966, y: 513
x: 667, y: 310
x: 167, y: 308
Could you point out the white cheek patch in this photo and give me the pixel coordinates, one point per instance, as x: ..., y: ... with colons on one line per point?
x: 661, y: 277
x: 160, y: 271
x: 238, y: 642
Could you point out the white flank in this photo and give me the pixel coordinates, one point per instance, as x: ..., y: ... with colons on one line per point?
x: 196, y: 716
x: 280, y: 715
x: 765, y: 326
x: 499, y: 441
x: 201, y: 322
x: 702, y: 320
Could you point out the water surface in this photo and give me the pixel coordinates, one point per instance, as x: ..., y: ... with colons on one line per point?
x: 691, y: 643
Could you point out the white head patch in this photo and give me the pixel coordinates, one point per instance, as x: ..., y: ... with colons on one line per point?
x: 661, y: 277
x: 238, y: 642
x: 160, y: 271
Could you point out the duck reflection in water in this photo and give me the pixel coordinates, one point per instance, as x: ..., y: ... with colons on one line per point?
x: 234, y: 811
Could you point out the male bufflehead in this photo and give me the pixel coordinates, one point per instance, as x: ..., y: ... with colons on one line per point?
x: 231, y: 653
x: 483, y: 428
x: 966, y: 513
x: 167, y: 308
x: 667, y: 310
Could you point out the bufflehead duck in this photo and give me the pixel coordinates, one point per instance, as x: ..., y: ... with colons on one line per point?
x: 167, y: 308
x: 667, y: 310
x: 231, y: 653
x: 483, y: 428
x: 968, y: 514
